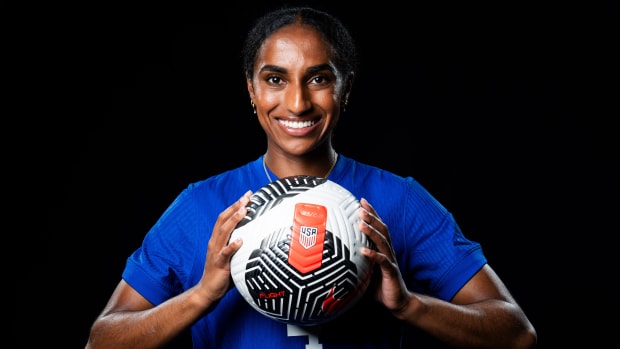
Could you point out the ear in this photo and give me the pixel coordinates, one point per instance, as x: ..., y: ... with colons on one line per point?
x: 248, y: 81
x: 348, y: 86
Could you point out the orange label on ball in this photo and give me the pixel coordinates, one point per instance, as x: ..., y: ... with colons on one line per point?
x: 309, y: 221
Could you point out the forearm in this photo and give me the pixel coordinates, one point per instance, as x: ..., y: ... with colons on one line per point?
x: 148, y: 328
x: 486, y: 324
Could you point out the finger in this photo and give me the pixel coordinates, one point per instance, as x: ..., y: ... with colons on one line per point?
x: 374, y: 235
x: 375, y: 229
x: 232, y: 247
x: 230, y: 210
x: 368, y: 207
x: 366, y: 210
x: 369, y: 215
x: 385, y: 263
x: 239, y: 209
x: 230, y: 217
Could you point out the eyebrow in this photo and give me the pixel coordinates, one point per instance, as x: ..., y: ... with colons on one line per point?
x: 320, y: 67
x: 311, y: 70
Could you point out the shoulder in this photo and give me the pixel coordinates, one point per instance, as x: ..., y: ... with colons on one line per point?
x: 388, y: 192
x: 367, y: 179
x: 222, y: 189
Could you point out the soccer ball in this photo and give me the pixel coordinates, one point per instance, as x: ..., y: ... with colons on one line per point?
x: 300, y: 262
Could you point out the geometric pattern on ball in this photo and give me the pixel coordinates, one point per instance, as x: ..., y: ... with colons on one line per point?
x: 316, y: 288
x: 275, y: 192
x: 286, y: 294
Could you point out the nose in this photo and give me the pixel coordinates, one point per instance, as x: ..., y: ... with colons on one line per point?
x: 297, y: 98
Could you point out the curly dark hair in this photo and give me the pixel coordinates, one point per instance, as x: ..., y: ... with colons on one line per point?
x: 331, y: 28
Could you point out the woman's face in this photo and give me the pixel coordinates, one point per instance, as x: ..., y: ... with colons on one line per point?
x: 296, y: 90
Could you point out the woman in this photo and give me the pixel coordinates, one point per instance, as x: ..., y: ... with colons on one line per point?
x: 299, y: 65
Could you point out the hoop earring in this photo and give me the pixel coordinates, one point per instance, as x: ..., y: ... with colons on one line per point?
x: 253, y: 106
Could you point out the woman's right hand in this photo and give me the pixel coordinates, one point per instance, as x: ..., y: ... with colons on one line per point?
x: 216, y: 279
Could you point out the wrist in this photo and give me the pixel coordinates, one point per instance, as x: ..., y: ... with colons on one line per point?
x: 408, y: 307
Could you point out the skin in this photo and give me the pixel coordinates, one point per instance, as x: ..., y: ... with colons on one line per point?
x: 295, y: 81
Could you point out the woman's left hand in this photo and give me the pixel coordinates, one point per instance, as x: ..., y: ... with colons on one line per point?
x: 389, y: 287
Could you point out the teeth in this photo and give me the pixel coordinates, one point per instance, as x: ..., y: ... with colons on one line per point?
x: 296, y: 124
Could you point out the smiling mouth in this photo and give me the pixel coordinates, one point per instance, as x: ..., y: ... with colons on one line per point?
x: 297, y: 124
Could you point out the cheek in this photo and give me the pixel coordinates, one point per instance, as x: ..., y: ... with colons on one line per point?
x: 327, y: 101
x: 270, y: 99
x: 265, y: 99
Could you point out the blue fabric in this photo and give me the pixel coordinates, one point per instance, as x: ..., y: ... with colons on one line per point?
x: 433, y: 255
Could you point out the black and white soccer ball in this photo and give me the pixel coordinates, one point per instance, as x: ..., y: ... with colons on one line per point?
x: 301, y: 261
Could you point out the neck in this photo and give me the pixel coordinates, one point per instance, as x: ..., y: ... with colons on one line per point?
x: 320, y: 165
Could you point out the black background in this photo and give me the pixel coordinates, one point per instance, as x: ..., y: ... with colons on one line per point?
x: 505, y: 111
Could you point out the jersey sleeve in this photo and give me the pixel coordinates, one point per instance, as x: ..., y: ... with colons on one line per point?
x: 435, y: 252
x: 161, y: 267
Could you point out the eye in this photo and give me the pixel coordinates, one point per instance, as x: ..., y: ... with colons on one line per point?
x: 273, y: 80
x: 321, y: 80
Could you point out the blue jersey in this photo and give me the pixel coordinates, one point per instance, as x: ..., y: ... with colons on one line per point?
x: 433, y: 255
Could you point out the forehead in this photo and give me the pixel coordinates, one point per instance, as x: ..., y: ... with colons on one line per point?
x: 296, y: 41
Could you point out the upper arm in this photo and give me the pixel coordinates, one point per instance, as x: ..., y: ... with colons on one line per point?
x: 125, y: 298
x: 485, y: 284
